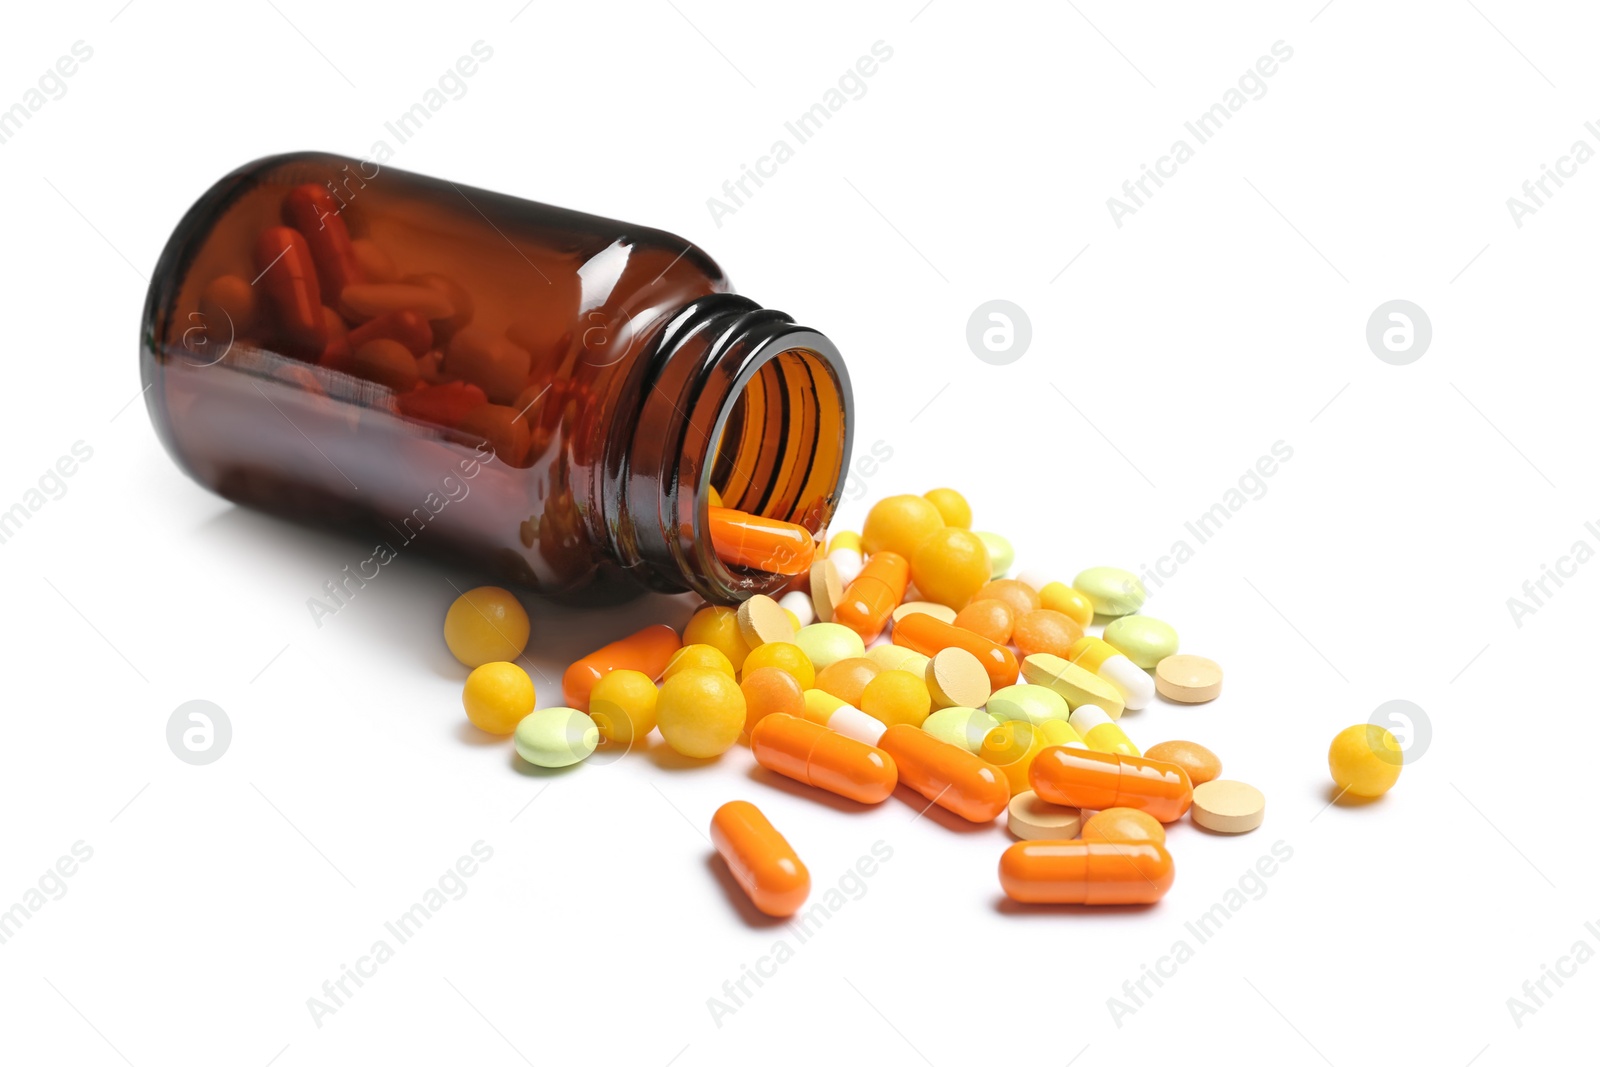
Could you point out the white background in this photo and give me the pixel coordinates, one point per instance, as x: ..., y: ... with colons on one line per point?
x: 1227, y: 314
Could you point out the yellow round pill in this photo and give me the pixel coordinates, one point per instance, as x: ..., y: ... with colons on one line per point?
x: 1059, y: 596
x: 1365, y: 760
x: 497, y: 696
x: 623, y: 706
x: 900, y: 524
x: 719, y: 628
x: 700, y: 712
x: 953, y: 507
x: 950, y: 566
x: 896, y: 697
x: 486, y: 625
x: 698, y: 656
x: 785, y: 657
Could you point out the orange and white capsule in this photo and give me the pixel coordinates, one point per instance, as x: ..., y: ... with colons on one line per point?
x: 1086, y: 872
x: 743, y: 540
x: 872, y: 597
x: 807, y: 752
x: 1083, y: 778
x: 1096, y: 655
x: 946, y: 774
x: 842, y: 717
x: 761, y: 860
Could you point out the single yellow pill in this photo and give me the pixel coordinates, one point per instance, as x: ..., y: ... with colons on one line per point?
x: 497, y: 696
x: 1059, y: 596
x: 900, y: 524
x: 719, y: 628
x: 1365, y: 760
x: 623, y: 706
x: 486, y: 625
x: 700, y: 712
x: 693, y: 656
x: 953, y: 507
x: 784, y: 656
x: 896, y: 697
x: 950, y: 565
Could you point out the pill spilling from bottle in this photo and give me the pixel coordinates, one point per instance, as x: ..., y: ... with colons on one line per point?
x: 929, y: 668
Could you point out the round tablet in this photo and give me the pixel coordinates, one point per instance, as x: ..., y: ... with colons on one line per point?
x: 925, y: 607
x: 1032, y: 819
x: 1188, y: 679
x: 1227, y: 807
x: 762, y: 620
x: 1198, y: 761
x: 827, y: 589
x: 956, y: 678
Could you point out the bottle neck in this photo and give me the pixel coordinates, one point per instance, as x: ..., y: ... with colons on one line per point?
x: 739, y: 398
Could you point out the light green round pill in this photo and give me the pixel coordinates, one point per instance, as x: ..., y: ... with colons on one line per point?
x: 1001, y: 554
x: 556, y: 737
x: 1112, y: 590
x: 1142, y: 639
x: 962, y: 727
x: 1029, y: 703
x: 826, y: 643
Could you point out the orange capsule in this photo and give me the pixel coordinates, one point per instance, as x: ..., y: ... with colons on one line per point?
x: 646, y: 652
x: 743, y: 540
x: 312, y: 210
x: 928, y: 635
x: 946, y: 774
x: 290, y: 280
x: 1086, y: 872
x: 874, y: 594
x: 761, y: 860
x: 1083, y: 778
x: 811, y: 753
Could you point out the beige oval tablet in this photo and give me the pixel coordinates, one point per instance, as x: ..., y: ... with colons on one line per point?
x: 1188, y: 679
x: 956, y: 679
x: 826, y: 588
x: 1227, y: 807
x: 924, y: 607
x: 763, y: 620
x: 1032, y: 819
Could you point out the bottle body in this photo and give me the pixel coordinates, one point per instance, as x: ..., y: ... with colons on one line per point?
x: 546, y: 395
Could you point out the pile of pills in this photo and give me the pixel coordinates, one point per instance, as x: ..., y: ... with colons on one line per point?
x: 905, y: 656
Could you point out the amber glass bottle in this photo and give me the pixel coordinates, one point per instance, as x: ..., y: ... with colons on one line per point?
x: 547, y: 395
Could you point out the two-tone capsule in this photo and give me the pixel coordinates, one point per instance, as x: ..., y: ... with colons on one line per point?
x: 843, y: 717
x: 1083, y: 778
x: 762, y: 862
x: 1101, y: 733
x: 810, y: 753
x: 876, y: 592
x: 1086, y: 872
x: 946, y: 774
x: 1098, y: 656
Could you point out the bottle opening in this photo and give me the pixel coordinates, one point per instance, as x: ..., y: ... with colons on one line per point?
x: 782, y: 441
